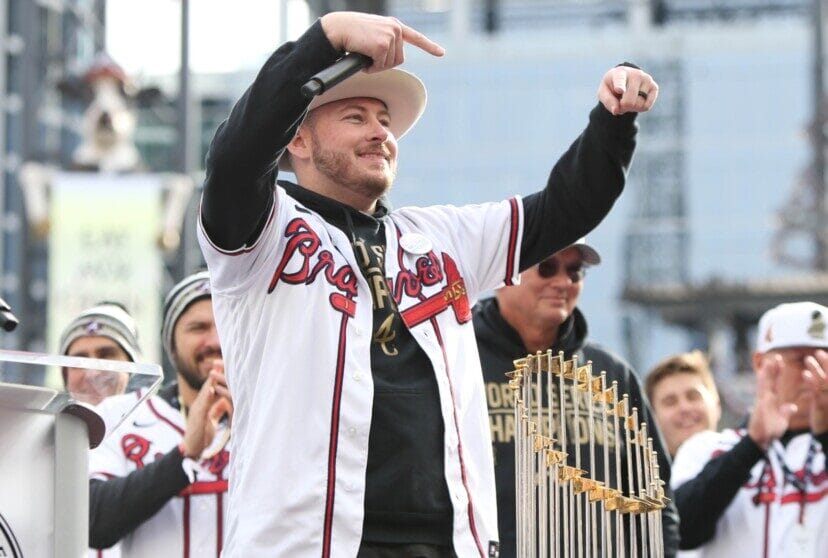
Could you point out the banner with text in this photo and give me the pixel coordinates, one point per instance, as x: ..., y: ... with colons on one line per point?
x: 103, y: 245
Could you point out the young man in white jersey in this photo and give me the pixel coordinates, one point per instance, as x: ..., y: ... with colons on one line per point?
x: 762, y: 490
x: 158, y: 482
x: 684, y: 397
x: 361, y: 426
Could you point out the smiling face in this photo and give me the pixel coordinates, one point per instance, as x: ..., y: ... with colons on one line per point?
x: 345, y: 150
x: 195, y: 343
x: 545, y: 297
x: 684, y: 405
x: 92, y: 386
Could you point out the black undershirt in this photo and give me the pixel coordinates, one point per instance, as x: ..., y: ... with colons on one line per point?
x: 406, y: 496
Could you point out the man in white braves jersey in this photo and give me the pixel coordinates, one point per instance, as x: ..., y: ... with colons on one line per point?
x: 762, y: 490
x: 361, y: 426
x: 157, y: 483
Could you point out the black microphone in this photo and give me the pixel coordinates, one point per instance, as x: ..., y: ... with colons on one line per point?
x: 342, y: 69
x: 7, y: 320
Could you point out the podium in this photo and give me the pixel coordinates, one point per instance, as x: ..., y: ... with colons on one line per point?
x: 45, y: 434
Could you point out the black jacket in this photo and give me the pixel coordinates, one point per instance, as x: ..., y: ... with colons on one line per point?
x: 499, y: 345
x: 119, y: 505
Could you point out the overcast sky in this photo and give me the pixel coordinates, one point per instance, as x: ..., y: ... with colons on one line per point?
x: 144, y: 36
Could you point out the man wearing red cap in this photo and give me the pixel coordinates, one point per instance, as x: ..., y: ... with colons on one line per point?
x: 360, y: 424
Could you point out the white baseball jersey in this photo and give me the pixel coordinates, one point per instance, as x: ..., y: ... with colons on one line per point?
x: 785, y: 521
x: 192, y: 523
x: 294, y: 315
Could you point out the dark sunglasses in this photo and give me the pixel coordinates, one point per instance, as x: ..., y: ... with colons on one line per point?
x: 550, y: 268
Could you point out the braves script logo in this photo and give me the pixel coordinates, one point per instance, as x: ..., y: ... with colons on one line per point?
x: 302, y: 240
x: 8, y: 543
x: 135, y: 449
x: 411, y: 284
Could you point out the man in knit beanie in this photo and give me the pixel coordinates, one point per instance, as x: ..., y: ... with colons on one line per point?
x: 105, y: 331
x: 192, y: 362
x: 158, y: 483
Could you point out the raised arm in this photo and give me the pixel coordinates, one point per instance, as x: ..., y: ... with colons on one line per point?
x: 589, y: 177
x: 242, y: 161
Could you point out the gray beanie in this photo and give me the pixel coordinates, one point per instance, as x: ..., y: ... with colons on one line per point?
x: 107, y: 320
x: 187, y: 291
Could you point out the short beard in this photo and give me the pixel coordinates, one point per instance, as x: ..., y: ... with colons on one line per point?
x: 339, y: 170
x: 191, y: 374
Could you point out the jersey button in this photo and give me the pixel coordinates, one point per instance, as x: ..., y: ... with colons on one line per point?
x: 357, y: 376
x: 352, y: 431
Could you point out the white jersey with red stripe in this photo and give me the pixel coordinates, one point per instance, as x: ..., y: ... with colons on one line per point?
x: 780, y: 522
x: 294, y: 315
x: 190, y: 524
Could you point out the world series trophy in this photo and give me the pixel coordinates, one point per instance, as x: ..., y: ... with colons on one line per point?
x: 563, y: 509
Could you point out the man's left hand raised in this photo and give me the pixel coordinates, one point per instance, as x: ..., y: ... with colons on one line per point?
x: 626, y: 89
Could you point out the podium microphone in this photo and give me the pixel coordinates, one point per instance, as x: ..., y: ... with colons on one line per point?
x: 7, y: 320
x: 342, y: 69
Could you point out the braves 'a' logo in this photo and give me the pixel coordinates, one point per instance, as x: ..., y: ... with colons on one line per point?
x: 304, y: 241
x: 135, y: 449
x: 430, y: 272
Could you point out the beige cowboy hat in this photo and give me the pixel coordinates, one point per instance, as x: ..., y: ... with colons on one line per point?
x: 403, y: 93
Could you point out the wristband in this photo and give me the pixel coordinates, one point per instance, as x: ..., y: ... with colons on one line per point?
x: 188, y: 464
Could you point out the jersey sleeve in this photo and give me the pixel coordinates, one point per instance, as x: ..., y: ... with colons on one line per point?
x: 707, y: 476
x: 233, y: 271
x: 117, y: 506
x: 241, y: 164
x: 692, y: 456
